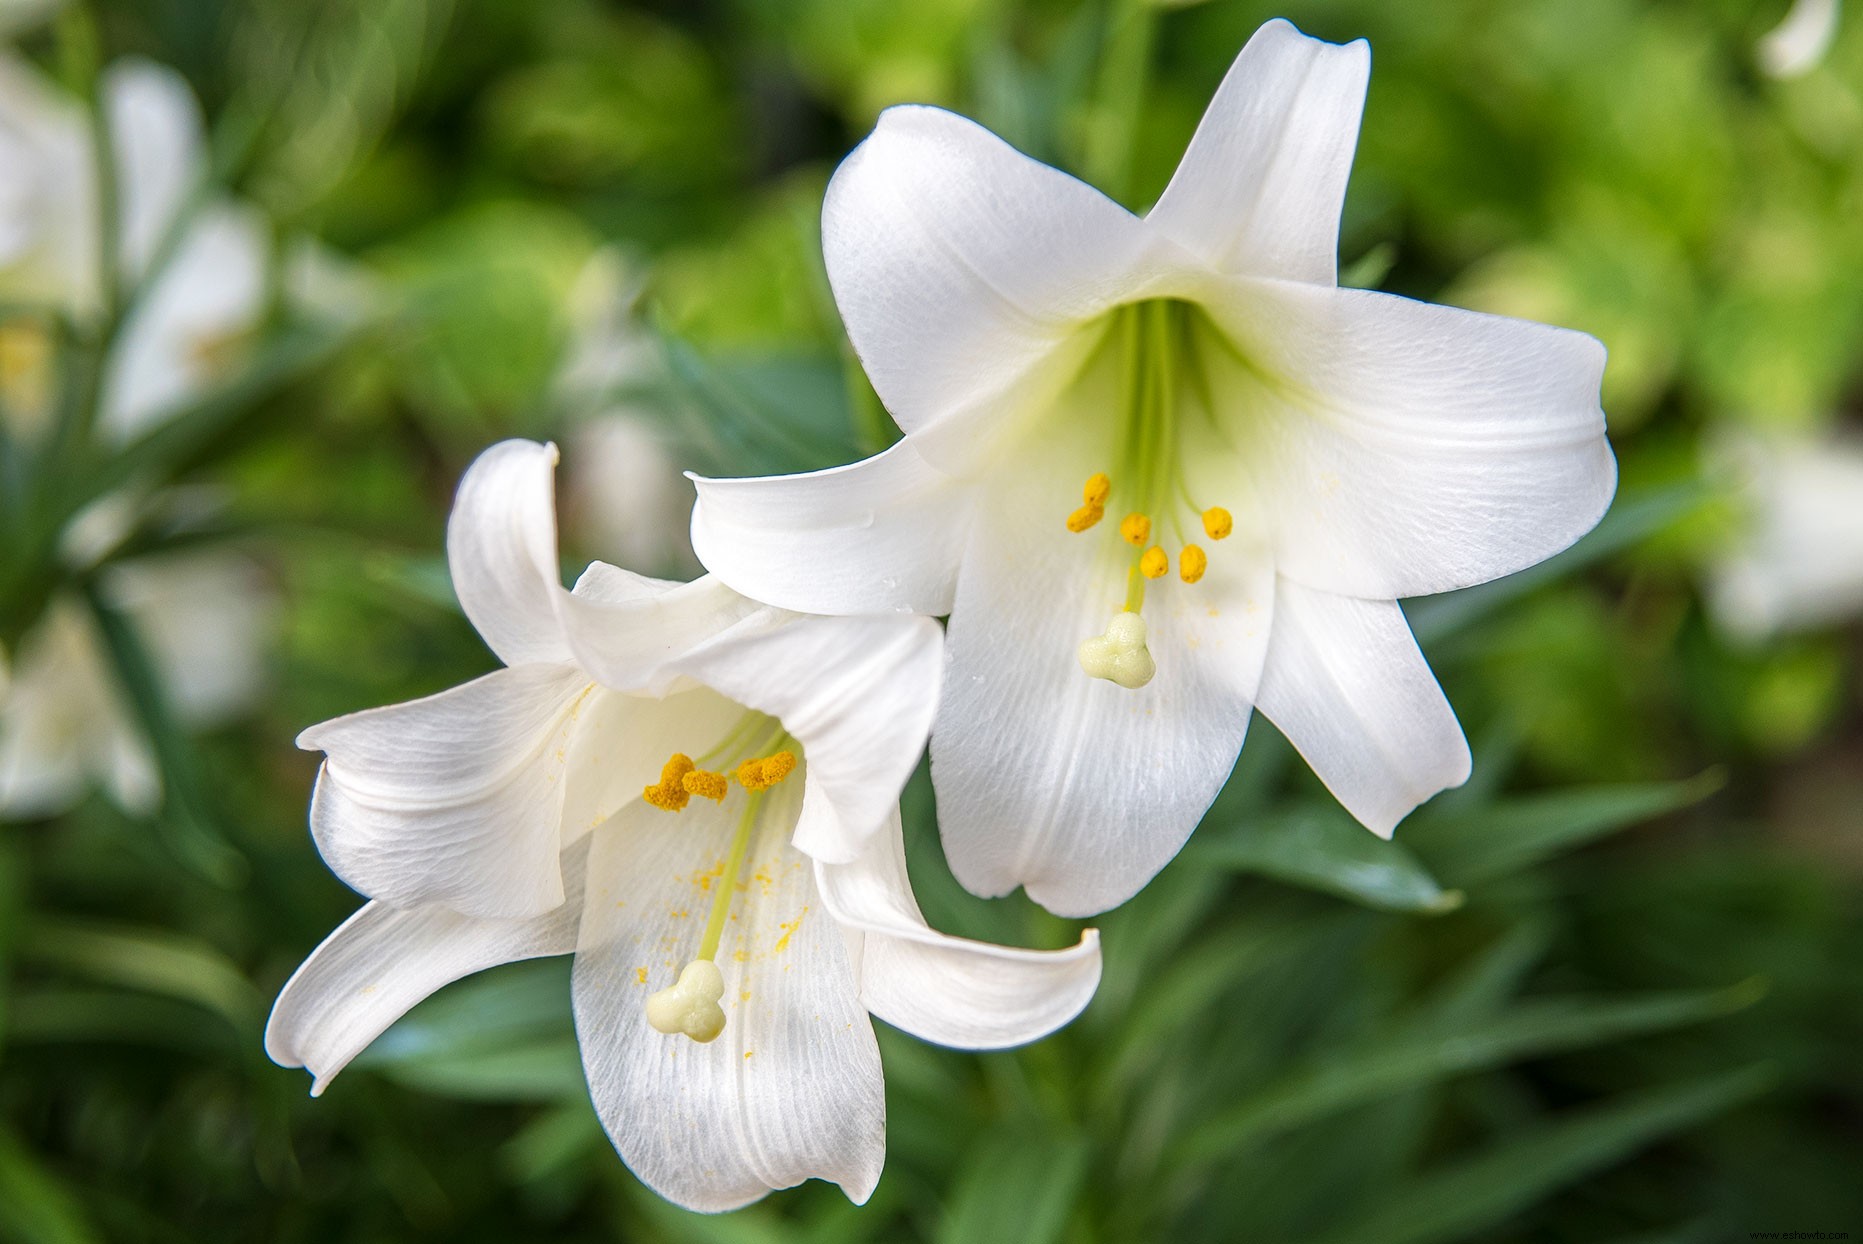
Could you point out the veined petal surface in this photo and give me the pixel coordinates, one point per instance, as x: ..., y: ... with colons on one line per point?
x: 951, y: 990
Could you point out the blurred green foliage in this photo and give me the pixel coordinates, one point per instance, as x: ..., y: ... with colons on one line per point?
x: 1606, y: 992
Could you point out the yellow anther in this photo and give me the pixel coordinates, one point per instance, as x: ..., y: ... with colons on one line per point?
x: 1191, y: 563
x: 1217, y: 523
x: 1098, y: 487
x: 767, y: 772
x: 1136, y: 528
x: 1085, y: 517
x: 705, y: 783
x: 669, y: 794
x: 1154, y: 563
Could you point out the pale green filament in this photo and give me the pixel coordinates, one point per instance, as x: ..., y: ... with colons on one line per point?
x: 727, y: 884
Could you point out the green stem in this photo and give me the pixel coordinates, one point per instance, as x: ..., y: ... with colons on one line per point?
x: 727, y: 884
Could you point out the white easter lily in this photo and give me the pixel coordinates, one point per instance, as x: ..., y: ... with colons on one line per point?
x: 1798, y: 560
x: 1289, y: 458
x: 639, y: 786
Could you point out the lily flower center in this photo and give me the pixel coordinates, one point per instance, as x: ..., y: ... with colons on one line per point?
x: 756, y: 755
x: 1155, y: 340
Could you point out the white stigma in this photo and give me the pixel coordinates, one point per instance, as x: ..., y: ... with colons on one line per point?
x: 691, y: 1005
x: 1120, y: 655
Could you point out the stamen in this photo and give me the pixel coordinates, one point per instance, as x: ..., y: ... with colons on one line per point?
x: 1154, y: 563
x: 1191, y: 563
x: 1136, y: 528
x: 1217, y: 523
x: 762, y: 774
x: 705, y: 783
x: 691, y: 1005
x: 670, y: 795
x: 1096, y: 490
x: 1085, y: 517
x: 1120, y: 655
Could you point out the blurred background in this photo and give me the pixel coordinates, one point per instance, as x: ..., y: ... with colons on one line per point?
x: 1610, y: 991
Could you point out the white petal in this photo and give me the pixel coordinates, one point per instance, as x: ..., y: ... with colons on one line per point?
x: 1403, y: 448
x: 960, y: 265
x: 1260, y: 188
x: 792, y: 1089
x: 1796, y: 45
x: 858, y: 693
x: 457, y: 798
x: 383, y: 960
x: 155, y: 131
x: 972, y: 995
x: 1346, y: 684
x: 625, y: 630
x: 501, y: 547
x: 204, y: 617
x: 1073, y: 787
x: 877, y: 536
x: 1799, y: 562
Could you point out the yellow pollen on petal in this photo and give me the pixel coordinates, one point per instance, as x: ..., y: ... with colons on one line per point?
x: 1136, y: 529
x: 1191, y: 563
x: 1096, y: 490
x: 1217, y: 523
x: 705, y: 783
x: 1154, y: 564
x: 1083, y: 518
x: 670, y: 794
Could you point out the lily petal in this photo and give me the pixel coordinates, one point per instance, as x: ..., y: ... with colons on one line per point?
x: 1345, y: 683
x: 959, y: 264
x: 383, y: 960
x: 877, y: 536
x: 951, y: 990
x: 1405, y: 448
x: 1073, y: 787
x: 1261, y: 186
x: 501, y: 548
x: 792, y: 1089
x: 156, y: 133
x: 455, y: 799
x: 859, y: 694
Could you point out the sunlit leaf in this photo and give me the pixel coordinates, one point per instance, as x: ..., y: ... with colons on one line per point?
x: 1324, y: 849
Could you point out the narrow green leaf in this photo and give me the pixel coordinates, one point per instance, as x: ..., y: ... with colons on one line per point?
x: 542, y: 1071
x: 1016, y: 1187
x: 1482, y: 844
x: 154, y: 960
x: 1335, y: 1080
x: 1323, y: 849
x: 1465, y: 1198
x: 34, y: 1205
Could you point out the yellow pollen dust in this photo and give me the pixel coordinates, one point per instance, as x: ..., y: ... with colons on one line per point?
x: 767, y: 772
x: 1191, y: 563
x: 1154, y: 563
x: 1217, y: 523
x: 705, y: 783
x: 670, y: 794
x: 1136, y: 529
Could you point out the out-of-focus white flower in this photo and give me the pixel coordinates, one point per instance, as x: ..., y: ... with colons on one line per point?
x: 1289, y: 458
x: 536, y: 811
x: 1798, y: 562
x: 1796, y: 45
x: 625, y: 497
x: 65, y: 722
x: 190, y: 325
x: 18, y: 15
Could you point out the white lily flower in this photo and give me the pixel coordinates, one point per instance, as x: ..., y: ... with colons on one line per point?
x: 1800, y: 41
x: 65, y: 723
x: 736, y: 908
x: 1300, y: 455
x: 1798, y: 562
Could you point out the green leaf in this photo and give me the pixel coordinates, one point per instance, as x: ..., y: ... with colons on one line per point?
x: 542, y: 1071
x: 154, y: 960
x: 1337, y: 1079
x: 1016, y: 1187
x: 1482, y: 844
x: 1323, y: 849
x: 1631, y: 521
x: 1462, y: 1199
x: 35, y: 1206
